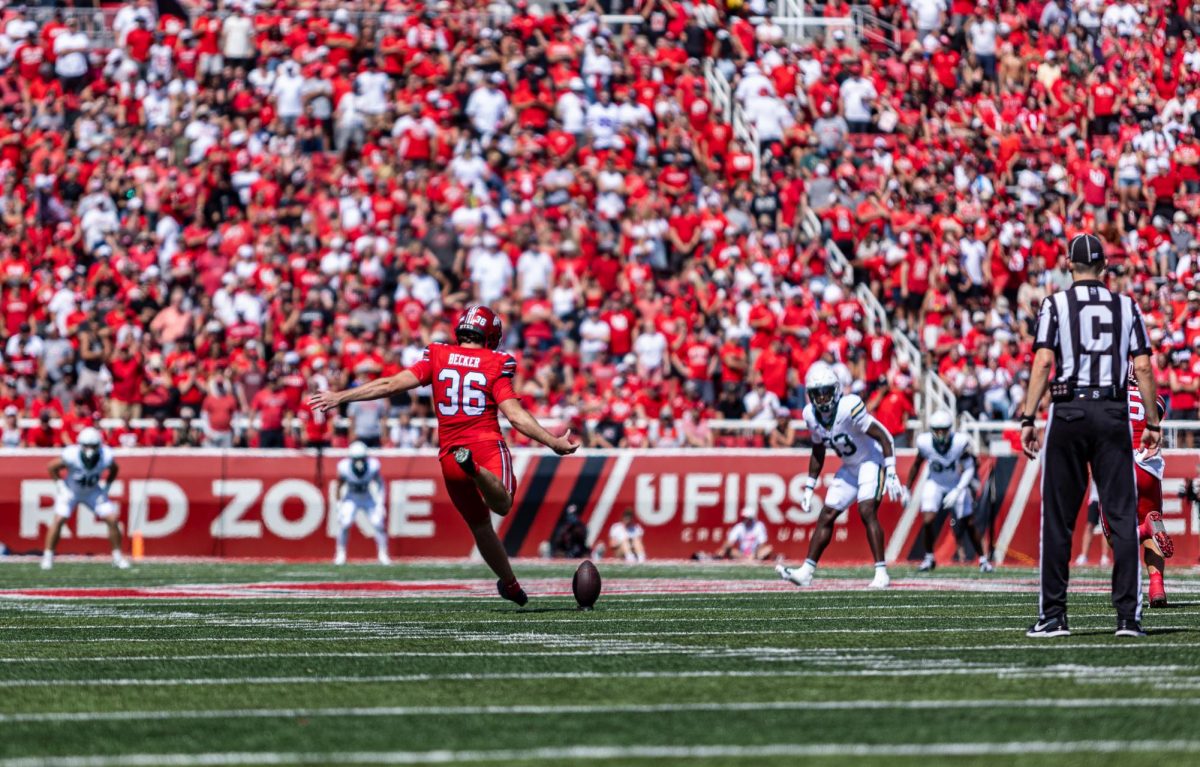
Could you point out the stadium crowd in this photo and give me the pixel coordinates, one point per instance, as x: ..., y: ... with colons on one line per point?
x: 214, y: 217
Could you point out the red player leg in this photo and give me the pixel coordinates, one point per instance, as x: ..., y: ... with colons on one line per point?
x: 1150, y: 524
x: 465, y: 495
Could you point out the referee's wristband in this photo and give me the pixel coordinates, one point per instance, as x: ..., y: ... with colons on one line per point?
x: 1028, y: 420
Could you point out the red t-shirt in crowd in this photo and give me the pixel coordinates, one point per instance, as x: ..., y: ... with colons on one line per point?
x: 270, y: 406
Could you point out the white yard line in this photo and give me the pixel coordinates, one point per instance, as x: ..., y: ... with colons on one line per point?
x: 637, y: 708
x: 613, y: 753
x: 884, y: 667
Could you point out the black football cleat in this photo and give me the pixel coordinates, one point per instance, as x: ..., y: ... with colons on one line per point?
x: 513, y: 591
x: 1050, y: 627
x: 462, y: 457
x: 1129, y: 629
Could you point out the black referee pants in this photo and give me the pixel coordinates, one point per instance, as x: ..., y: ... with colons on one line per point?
x: 1082, y: 433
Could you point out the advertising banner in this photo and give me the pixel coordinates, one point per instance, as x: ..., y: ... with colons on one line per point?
x: 282, y: 504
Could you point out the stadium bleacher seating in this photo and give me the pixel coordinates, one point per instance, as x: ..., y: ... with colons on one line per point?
x: 209, y: 218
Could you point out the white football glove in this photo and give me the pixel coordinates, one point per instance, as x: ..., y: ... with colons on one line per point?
x: 952, y: 498
x: 896, y: 491
x: 60, y: 487
x: 810, y: 484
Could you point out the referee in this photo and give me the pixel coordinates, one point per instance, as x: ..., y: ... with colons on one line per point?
x: 1088, y: 335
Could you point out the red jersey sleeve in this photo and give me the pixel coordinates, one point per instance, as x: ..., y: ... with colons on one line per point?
x: 423, y: 370
x: 502, y: 387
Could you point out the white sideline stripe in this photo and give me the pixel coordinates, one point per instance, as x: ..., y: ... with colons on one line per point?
x: 608, y: 497
x: 480, y: 636
x: 1032, y: 472
x: 900, y: 534
x: 610, y: 753
x: 104, y: 611
x: 636, y: 708
x: 1025, y: 645
x: 176, y: 624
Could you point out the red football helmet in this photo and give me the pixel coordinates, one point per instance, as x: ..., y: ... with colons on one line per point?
x: 481, y: 322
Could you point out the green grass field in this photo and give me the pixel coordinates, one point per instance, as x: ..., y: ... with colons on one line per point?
x: 203, y: 668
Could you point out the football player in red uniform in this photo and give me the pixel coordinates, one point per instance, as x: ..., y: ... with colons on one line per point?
x: 1158, y: 546
x: 1149, y: 470
x: 472, y: 383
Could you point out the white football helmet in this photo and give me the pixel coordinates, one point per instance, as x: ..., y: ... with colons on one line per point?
x: 824, y: 390
x: 358, y: 451
x: 941, y: 426
x: 89, y: 445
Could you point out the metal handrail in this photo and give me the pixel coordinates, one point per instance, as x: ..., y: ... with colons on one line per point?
x: 865, y: 21
x: 838, y: 260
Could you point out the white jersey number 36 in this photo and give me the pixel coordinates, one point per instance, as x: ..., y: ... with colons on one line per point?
x: 462, y: 394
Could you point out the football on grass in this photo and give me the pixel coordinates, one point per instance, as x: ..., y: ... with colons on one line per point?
x: 586, y: 585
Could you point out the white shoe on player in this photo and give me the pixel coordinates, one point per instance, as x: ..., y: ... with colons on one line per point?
x: 121, y: 564
x: 47, y: 561
x: 340, y: 557
x: 881, y: 580
x: 384, y: 559
x: 986, y: 566
x: 801, y: 576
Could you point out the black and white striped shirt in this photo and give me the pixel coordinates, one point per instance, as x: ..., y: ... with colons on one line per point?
x: 1093, y: 333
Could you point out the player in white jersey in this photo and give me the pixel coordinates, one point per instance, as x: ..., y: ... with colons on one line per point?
x: 360, y: 490
x: 952, y: 472
x: 842, y: 424
x: 90, y: 471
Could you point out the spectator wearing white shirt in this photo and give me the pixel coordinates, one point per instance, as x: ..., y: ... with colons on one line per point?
x: 626, y: 539
x: 651, y: 351
x: 487, y: 107
x: 594, y: 337
x: 747, y: 539
x: 71, y: 62
x: 761, y: 404
x: 603, y: 119
x: 350, y: 121
x: 288, y: 92
x: 535, y: 268
x: 752, y: 83
x: 374, y: 85
x: 491, y: 271
x: 237, y: 40
x: 927, y: 16
x: 858, y: 95
x: 771, y: 118
x: 1120, y: 17
x: 982, y: 34
x: 571, y: 110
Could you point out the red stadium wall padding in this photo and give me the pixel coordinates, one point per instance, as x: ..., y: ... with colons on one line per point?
x: 1020, y: 515
x: 279, y: 503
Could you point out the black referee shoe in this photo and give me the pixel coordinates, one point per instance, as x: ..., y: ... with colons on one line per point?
x: 1050, y: 627
x: 1129, y: 629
